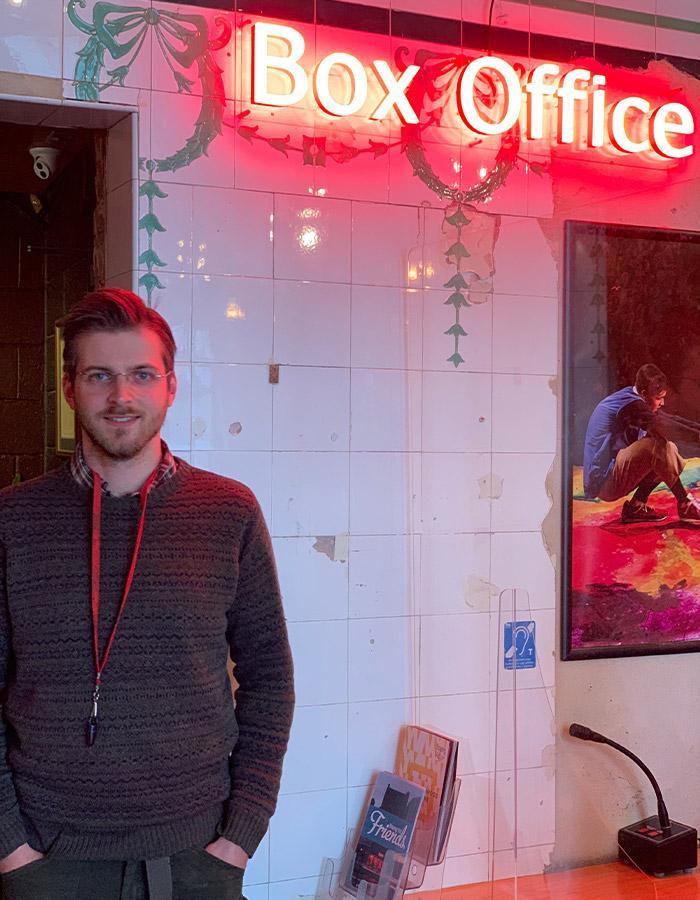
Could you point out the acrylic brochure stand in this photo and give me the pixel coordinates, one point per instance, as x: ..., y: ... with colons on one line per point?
x: 405, y: 874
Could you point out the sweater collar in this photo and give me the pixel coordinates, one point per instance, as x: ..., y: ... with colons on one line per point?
x: 82, y: 473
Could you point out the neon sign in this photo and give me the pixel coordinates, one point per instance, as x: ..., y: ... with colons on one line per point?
x: 630, y: 124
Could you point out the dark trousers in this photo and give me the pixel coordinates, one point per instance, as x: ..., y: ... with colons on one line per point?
x: 196, y: 875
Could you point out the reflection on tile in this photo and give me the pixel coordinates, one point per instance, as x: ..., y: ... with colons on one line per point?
x: 174, y: 302
x: 312, y: 323
x: 522, y: 246
x: 385, y: 261
x: 30, y: 38
x: 312, y: 239
x: 231, y: 408
x: 312, y: 409
x: 319, y: 647
x: 172, y: 244
x: 232, y: 232
x: 232, y: 319
x: 439, y: 346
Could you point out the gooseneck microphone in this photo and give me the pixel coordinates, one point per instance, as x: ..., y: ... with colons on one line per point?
x: 587, y: 734
x: 656, y: 845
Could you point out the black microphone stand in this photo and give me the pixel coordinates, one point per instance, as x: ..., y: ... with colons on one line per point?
x: 656, y: 845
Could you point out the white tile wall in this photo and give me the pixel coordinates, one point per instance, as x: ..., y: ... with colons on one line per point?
x: 428, y: 485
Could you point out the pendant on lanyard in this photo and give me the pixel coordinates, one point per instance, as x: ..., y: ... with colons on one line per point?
x: 91, y: 724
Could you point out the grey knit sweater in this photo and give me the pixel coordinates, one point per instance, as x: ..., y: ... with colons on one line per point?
x: 173, y: 764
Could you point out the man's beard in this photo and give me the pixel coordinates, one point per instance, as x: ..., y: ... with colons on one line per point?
x: 113, y: 441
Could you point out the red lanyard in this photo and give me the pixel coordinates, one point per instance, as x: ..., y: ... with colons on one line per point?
x: 91, y: 725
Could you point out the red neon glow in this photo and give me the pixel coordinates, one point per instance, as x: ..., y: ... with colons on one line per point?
x: 586, y: 115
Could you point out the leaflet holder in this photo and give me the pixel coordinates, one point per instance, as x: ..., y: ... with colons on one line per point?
x: 390, y: 882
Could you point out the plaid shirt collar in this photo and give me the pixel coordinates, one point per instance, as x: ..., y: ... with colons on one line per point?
x: 82, y: 472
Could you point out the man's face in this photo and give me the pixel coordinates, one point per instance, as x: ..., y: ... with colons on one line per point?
x: 654, y: 401
x: 120, y: 418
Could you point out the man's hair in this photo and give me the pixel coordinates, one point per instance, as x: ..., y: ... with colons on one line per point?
x: 112, y: 309
x: 651, y: 380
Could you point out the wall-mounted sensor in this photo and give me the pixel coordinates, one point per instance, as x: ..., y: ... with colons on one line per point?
x: 45, y: 160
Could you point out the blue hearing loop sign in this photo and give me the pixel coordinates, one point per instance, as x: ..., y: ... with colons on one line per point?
x: 519, y: 650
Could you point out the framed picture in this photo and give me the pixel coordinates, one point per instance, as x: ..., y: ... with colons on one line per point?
x: 65, y: 417
x: 631, y: 442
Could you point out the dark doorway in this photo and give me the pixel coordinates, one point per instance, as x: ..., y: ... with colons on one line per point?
x: 47, y: 252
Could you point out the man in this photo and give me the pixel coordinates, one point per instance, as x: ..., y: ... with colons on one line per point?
x: 127, y: 578
x: 626, y: 449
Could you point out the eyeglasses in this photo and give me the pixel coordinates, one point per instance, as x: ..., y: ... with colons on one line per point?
x: 139, y: 379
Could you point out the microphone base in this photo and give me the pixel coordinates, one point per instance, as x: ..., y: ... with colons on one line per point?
x: 646, y: 846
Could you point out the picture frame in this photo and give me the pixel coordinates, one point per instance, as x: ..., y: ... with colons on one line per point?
x: 65, y: 417
x: 629, y: 587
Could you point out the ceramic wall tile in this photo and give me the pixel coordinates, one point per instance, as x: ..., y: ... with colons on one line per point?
x: 231, y: 408
x: 381, y: 659
x: 312, y: 239
x: 385, y: 493
x: 386, y: 410
x: 525, y: 334
x: 232, y: 232
x: 386, y: 327
x: 465, y: 717
x: 120, y: 153
x: 174, y: 119
x: 320, y: 653
x: 439, y: 346
x: 528, y: 861
x: 678, y: 43
x: 176, y: 429
x: 463, y: 639
x: 165, y: 226
x: 30, y: 38
x: 384, y: 572
x: 251, y: 468
x: 615, y: 33
x: 256, y: 891
x: 232, y: 319
x: 456, y: 492
x: 173, y: 300
x: 312, y: 323
x: 313, y: 575
x: 292, y: 854
x: 525, y: 735
x: 310, y: 493
x: 382, y: 720
x: 385, y: 261
x: 456, y: 412
x: 520, y: 560
x: 454, y: 574
x: 311, y: 409
x: 291, y: 888
x: 524, y: 259
x: 319, y: 733
x: 257, y: 869
x: 535, y: 803
x: 268, y: 157
x: 520, y: 483
x: 469, y: 869
x: 470, y: 829
x: 86, y: 76
x: 120, y: 245
x: 524, y: 414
